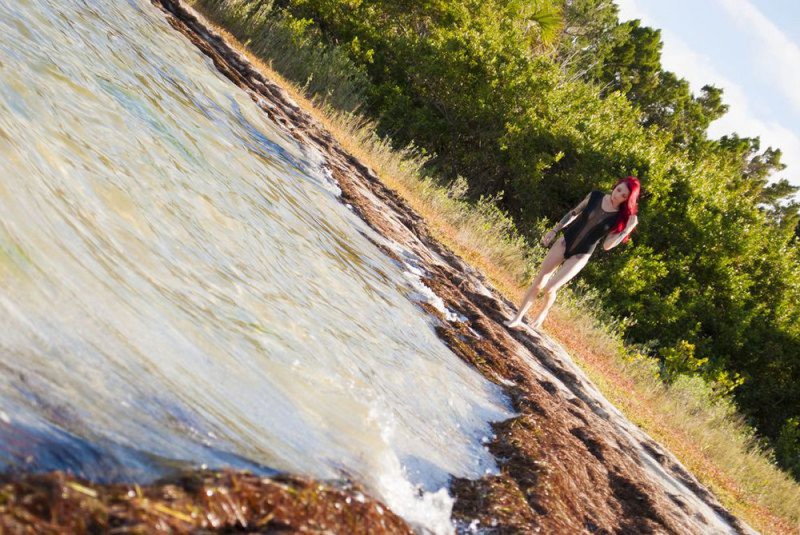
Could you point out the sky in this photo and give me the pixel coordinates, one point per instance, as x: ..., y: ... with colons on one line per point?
x: 750, y: 49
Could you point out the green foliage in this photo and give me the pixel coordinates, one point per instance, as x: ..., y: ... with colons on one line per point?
x: 541, y: 20
x: 787, y: 447
x: 680, y: 360
x: 295, y: 50
x: 534, y: 103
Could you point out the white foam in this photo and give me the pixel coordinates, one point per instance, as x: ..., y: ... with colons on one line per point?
x: 423, y: 293
x: 329, y: 182
x: 427, y: 511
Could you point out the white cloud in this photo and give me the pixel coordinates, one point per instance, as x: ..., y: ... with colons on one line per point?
x: 778, y: 55
x: 629, y: 9
x: 699, y: 70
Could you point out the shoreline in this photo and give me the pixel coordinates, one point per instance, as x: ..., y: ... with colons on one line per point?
x: 570, y: 462
x: 190, y: 501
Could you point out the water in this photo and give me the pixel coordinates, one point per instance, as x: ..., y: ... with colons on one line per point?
x: 180, y: 286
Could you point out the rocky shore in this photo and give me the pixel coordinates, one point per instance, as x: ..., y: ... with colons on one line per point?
x: 569, y: 462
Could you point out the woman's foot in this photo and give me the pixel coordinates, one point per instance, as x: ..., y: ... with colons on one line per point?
x: 517, y: 324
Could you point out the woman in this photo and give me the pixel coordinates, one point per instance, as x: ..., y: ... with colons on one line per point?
x: 599, y: 215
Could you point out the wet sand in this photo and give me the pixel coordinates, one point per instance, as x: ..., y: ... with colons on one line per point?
x: 569, y: 462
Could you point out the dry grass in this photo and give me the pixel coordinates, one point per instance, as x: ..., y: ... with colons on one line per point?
x: 706, y: 436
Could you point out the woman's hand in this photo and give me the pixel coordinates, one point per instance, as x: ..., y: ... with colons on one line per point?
x: 548, y: 238
x: 612, y: 239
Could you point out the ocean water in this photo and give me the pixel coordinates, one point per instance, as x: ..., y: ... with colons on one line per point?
x: 180, y: 285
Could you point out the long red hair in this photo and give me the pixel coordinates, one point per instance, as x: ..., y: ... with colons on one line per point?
x: 629, y: 207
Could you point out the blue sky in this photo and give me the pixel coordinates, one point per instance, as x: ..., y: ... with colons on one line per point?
x: 749, y: 48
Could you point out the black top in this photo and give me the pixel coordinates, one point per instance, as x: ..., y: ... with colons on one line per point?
x: 591, y: 225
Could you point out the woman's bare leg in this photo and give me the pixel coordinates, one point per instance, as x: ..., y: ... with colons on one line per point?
x: 549, y: 265
x: 565, y: 273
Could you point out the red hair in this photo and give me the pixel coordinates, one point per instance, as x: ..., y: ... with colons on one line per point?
x: 629, y: 207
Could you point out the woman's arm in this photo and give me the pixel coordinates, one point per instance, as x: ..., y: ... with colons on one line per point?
x: 612, y: 240
x: 566, y: 220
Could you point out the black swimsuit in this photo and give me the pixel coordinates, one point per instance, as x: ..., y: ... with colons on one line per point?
x: 585, y: 231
